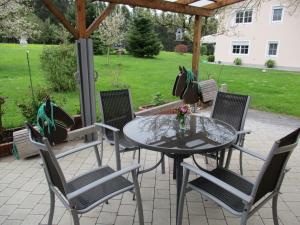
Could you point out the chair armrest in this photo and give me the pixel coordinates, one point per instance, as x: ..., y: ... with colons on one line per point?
x: 82, y: 132
x: 249, y: 152
x: 243, y: 132
x: 102, y: 125
x: 96, y: 183
x: 78, y: 149
x: 222, y: 184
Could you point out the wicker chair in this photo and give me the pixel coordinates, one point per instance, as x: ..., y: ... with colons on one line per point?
x: 232, y: 109
x: 83, y: 193
x: 234, y: 192
x: 116, y: 109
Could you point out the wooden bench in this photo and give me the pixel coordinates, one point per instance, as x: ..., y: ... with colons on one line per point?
x: 209, y: 90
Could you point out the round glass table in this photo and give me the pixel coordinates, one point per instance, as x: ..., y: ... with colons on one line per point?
x: 162, y: 133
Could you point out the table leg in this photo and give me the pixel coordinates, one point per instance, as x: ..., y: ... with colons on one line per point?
x: 178, y: 159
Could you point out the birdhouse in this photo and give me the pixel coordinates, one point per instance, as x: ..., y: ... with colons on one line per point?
x: 179, y: 34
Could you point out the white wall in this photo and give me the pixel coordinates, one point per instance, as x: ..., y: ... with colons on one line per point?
x: 258, y: 33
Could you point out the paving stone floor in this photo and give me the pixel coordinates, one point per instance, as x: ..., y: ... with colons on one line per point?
x: 24, y: 193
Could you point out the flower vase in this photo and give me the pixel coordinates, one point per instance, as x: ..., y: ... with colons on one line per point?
x: 182, y: 123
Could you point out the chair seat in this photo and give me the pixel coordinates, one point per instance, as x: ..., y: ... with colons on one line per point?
x: 226, y: 197
x: 124, y: 143
x: 94, y: 195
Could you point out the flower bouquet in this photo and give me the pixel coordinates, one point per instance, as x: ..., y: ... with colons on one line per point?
x: 181, y: 112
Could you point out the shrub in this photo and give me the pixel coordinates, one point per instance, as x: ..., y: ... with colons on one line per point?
x: 157, y: 99
x: 181, y: 49
x: 270, y: 63
x: 142, y: 39
x: 59, y: 65
x: 29, y: 107
x: 237, y: 61
x: 211, y: 58
x: 203, y: 50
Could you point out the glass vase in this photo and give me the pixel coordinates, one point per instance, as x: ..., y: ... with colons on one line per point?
x: 182, y: 123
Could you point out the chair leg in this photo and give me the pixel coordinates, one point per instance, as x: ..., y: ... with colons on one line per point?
x: 52, y: 206
x: 228, y: 158
x: 163, y: 166
x: 206, y: 160
x: 182, y: 197
x: 244, y: 218
x: 274, y: 210
x: 138, y: 197
x: 75, y: 218
x: 241, y: 163
x: 99, y: 159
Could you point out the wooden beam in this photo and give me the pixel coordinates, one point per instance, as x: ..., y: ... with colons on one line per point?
x: 80, y: 18
x: 99, y: 19
x: 220, y: 4
x: 196, y: 45
x: 164, y: 6
x: 186, y: 2
x: 61, y: 18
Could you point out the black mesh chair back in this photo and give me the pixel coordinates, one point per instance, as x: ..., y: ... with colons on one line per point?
x: 271, y: 175
x: 52, y: 169
x: 231, y: 108
x: 116, y: 109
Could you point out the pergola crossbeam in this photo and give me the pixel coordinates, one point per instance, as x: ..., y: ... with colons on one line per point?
x: 61, y: 18
x: 186, y: 2
x: 165, y: 6
x: 99, y: 19
x: 220, y: 4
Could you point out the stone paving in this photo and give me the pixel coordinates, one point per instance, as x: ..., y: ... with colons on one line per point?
x: 24, y: 195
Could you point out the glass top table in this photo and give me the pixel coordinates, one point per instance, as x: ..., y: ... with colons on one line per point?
x: 162, y: 133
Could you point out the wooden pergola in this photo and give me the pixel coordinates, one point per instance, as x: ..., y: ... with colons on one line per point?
x: 197, y: 8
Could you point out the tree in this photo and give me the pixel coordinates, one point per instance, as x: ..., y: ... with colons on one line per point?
x: 112, y: 31
x: 16, y: 20
x: 142, y: 40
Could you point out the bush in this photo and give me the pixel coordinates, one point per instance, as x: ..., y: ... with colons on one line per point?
x: 181, y: 49
x: 29, y: 107
x: 203, y: 50
x: 270, y: 63
x: 237, y: 61
x: 157, y: 99
x: 211, y: 58
x: 59, y: 65
x: 142, y: 39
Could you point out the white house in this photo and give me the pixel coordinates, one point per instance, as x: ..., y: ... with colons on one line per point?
x: 256, y: 34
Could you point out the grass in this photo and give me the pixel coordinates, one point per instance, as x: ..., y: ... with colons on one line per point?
x: 275, y: 91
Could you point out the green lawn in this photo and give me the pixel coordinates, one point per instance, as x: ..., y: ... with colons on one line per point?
x: 275, y: 91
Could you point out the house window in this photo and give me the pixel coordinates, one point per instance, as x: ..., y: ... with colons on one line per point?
x: 244, y: 16
x: 277, y: 14
x: 273, y: 48
x: 240, y: 47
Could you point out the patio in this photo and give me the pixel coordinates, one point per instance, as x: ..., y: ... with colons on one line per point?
x: 24, y: 192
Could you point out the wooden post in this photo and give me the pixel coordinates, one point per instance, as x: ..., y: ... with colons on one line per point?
x: 80, y: 18
x: 196, y: 45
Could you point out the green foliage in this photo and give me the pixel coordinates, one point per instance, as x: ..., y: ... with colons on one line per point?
x: 211, y: 58
x: 237, y: 61
x: 181, y: 49
x: 2, y: 101
x: 59, y: 65
x: 270, y: 63
x: 203, y: 50
x: 29, y: 107
x: 157, y: 99
x: 142, y: 40
x: 98, y: 46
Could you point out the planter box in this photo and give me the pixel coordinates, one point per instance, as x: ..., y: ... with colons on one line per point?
x: 23, y: 144
x: 5, y: 149
x: 168, y: 108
